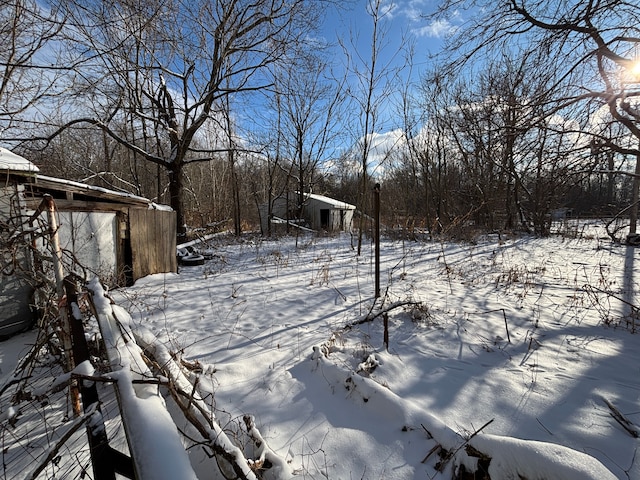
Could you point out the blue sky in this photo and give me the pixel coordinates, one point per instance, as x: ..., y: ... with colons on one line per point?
x: 402, y: 19
x: 402, y: 15
x: 403, y: 22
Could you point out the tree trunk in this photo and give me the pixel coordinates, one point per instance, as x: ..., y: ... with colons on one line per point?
x: 176, y: 184
x: 237, y: 223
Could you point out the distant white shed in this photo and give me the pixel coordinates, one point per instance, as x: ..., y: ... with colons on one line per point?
x: 324, y: 213
x: 319, y: 213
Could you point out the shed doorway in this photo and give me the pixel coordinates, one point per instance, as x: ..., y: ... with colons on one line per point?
x: 324, y: 218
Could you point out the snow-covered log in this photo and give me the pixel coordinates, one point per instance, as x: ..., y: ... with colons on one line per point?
x: 265, y: 455
x: 533, y: 460
x: 194, y: 408
x: 154, y: 441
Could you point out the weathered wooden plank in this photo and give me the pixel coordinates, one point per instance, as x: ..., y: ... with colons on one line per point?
x: 153, y: 241
x: 138, y: 238
x: 154, y: 222
x: 153, y: 438
x: 170, y: 230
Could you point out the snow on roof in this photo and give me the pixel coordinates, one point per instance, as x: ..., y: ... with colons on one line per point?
x: 15, y: 163
x: 331, y: 201
x: 92, y: 188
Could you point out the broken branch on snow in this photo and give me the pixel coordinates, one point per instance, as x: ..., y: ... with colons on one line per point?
x: 624, y: 422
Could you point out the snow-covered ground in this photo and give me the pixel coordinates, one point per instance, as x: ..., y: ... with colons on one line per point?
x: 511, y: 347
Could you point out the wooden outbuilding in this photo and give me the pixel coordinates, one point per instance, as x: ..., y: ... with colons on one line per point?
x: 116, y: 236
x: 328, y: 214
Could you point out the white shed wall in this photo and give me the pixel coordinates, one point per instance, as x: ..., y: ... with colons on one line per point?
x: 92, y: 238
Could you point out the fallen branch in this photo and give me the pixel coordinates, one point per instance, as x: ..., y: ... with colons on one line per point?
x: 213, y: 436
x: 266, y: 457
x: 198, y: 413
x: 436, y: 448
x: 627, y: 424
x: 452, y: 453
x: 372, y: 316
x: 194, y: 409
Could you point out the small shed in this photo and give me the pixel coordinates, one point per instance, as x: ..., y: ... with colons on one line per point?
x: 117, y: 236
x: 324, y: 213
x: 319, y: 213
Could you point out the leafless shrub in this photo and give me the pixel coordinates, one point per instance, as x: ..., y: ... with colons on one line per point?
x: 601, y: 301
x: 420, y: 313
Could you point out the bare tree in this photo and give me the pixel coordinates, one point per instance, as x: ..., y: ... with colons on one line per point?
x: 29, y: 70
x: 310, y: 106
x: 512, y: 159
x: 431, y: 149
x: 274, y: 167
x: 372, y: 86
x: 167, y: 67
x: 405, y: 183
x: 592, y: 46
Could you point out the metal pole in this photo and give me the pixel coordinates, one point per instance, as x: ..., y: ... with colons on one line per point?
x: 633, y: 214
x: 376, y: 213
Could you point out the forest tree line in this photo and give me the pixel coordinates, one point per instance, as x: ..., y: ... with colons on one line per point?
x: 217, y: 107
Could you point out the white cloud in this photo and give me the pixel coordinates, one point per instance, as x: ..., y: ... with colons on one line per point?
x: 438, y: 29
x: 388, y: 9
x: 414, y: 10
x: 383, y: 148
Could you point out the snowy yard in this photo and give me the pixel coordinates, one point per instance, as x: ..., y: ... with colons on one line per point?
x: 490, y: 344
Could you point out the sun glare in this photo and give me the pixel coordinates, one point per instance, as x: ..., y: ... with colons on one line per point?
x: 631, y: 73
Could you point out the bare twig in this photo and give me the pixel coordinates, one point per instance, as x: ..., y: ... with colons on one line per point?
x: 504, y: 314
x: 437, y: 447
x: 452, y: 453
x: 547, y: 430
x: 53, y: 452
